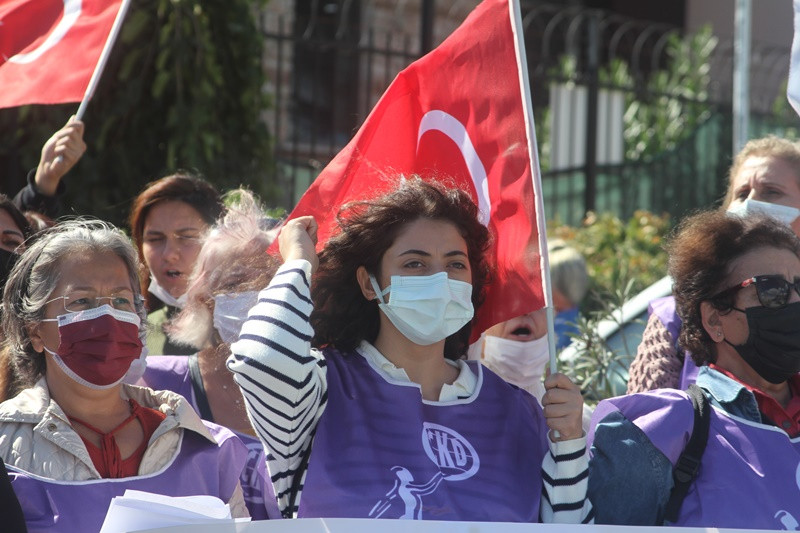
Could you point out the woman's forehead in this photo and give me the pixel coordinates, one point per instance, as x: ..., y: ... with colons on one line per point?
x: 429, y: 235
x: 89, y: 268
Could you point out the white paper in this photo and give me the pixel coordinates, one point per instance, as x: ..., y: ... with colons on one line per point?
x: 137, y: 510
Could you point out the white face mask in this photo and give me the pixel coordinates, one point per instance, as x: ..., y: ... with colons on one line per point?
x: 161, y: 293
x: 230, y: 312
x: 520, y: 363
x: 783, y: 213
x: 426, y: 309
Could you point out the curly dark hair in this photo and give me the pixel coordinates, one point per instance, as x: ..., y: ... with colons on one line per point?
x: 342, y: 317
x: 701, y: 254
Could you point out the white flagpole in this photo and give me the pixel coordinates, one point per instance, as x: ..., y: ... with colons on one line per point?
x: 101, y: 63
x: 536, y: 174
x: 793, y: 87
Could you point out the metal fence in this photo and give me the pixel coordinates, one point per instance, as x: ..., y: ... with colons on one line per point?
x: 630, y: 114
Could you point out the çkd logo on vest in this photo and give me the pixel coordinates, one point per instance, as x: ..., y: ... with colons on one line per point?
x: 455, y: 458
x: 452, y: 453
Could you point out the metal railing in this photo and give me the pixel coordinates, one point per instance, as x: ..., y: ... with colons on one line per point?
x: 592, y: 81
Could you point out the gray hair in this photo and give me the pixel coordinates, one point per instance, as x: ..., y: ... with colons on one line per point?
x: 233, y: 259
x: 31, y: 284
x: 568, y: 272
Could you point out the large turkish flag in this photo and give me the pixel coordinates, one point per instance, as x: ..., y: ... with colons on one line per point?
x: 456, y: 112
x: 49, y: 48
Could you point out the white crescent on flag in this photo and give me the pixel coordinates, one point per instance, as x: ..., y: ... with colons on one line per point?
x: 72, y: 11
x: 449, y: 125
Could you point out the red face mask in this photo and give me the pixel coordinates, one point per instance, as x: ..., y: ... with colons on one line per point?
x: 97, y: 346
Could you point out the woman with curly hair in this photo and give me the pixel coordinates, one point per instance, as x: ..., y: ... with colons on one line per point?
x: 737, y: 291
x: 358, y: 388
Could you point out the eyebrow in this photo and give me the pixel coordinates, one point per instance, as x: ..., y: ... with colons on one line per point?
x: 179, y: 230
x: 12, y: 232
x: 426, y: 254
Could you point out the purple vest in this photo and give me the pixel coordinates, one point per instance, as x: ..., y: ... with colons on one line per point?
x: 169, y: 372
x: 200, y: 467
x: 380, y: 451
x: 664, y: 309
x: 749, y: 476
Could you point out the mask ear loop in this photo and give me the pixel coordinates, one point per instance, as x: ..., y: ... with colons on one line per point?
x: 379, y: 294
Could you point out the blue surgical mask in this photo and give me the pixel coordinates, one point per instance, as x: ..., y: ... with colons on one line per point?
x: 426, y: 309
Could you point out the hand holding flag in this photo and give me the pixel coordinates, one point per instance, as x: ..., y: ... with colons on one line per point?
x: 462, y: 112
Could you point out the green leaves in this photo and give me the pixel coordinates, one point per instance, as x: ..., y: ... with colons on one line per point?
x: 623, y: 258
x: 619, y: 252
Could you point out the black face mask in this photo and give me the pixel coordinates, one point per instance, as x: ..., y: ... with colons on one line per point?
x: 7, y: 262
x: 772, y: 348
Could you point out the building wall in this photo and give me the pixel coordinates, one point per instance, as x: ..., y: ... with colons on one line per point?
x: 771, y: 40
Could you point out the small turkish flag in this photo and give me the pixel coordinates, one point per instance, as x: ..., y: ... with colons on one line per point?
x: 456, y: 112
x: 49, y: 48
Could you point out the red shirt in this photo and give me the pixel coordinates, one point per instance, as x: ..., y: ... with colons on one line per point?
x: 788, y: 419
x: 107, y: 458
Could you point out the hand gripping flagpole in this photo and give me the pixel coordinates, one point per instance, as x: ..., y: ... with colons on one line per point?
x: 536, y: 175
x: 101, y: 63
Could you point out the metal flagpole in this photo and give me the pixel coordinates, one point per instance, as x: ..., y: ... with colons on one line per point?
x: 541, y: 221
x: 741, y: 74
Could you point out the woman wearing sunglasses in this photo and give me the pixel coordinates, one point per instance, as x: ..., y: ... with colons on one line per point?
x: 737, y: 289
x: 764, y: 178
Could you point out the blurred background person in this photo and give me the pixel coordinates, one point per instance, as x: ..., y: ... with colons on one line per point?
x: 517, y: 350
x: 168, y: 220
x: 73, y: 319
x: 569, y: 282
x: 15, y: 229
x: 737, y: 291
x: 230, y: 270
x: 764, y: 178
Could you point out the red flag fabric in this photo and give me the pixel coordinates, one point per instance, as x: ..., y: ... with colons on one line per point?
x: 456, y: 112
x: 49, y: 48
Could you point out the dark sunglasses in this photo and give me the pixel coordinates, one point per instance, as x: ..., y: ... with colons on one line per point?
x: 773, y: 291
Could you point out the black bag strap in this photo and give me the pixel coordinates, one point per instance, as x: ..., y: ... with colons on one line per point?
x: 688, y: 464
x: 199, y: 389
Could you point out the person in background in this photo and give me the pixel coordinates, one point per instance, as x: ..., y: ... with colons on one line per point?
x: 15, y: 229
x: 570, y: 282
x: 737, y: 291
x: 363, y: 398
x: 229, y: 271
x: 168, y: 221
x: 75, y: 436
x: 764, y: 178
x: 517, y: 350
x: 59, y: 154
